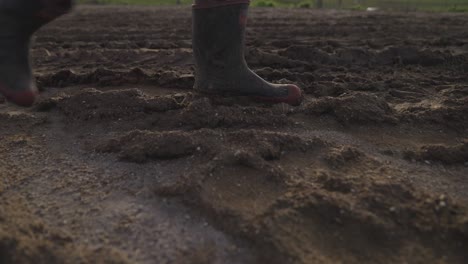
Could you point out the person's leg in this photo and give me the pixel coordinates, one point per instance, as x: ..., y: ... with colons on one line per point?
x: 218, y: 47
x: 19, y: 19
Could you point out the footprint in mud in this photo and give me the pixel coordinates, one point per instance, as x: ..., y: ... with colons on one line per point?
x: 239, y: 186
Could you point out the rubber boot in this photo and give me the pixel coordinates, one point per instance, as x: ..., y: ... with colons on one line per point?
x: 19, y: 19
x: 218, y: 47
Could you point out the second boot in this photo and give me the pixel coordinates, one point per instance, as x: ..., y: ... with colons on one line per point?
x: 19, y: 19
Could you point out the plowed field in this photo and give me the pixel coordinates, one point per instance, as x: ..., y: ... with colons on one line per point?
x: 121, y: 162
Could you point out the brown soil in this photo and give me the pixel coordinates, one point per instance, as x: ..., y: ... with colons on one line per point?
x: 121, y: 162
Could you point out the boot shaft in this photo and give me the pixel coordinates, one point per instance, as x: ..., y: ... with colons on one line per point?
x: 204, y: 4
x: 219, y: 35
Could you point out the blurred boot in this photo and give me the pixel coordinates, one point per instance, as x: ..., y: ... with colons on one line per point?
x: 19, y: 19
x: 218, y: 47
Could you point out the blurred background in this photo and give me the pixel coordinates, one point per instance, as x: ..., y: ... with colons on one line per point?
x: 369, y: 5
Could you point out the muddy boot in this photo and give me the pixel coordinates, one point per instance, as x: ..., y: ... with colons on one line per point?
x: 19, y: 19
x: 218, y: 47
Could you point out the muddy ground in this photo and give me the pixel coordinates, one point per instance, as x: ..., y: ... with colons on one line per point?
x: 120, y: 162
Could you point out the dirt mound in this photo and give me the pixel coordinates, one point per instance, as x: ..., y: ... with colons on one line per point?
x: 293, y: 219
x: 203, y: 112
x: 14, y: 119
x: 405, y: 55
x: 342, y: 156
x: 92, y: 104
x: 258, y: 57
x: 142, y: 146
x: 353, y: 108
x: 190, y: 111
x: 457, y: 154
x: 308, y: 53
x: 247, y: 195
x: 450, y: 112
x: 26, y: 239
x: 105, y: 77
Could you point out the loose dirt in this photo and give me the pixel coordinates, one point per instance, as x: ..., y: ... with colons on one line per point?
x: 121, y: 162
